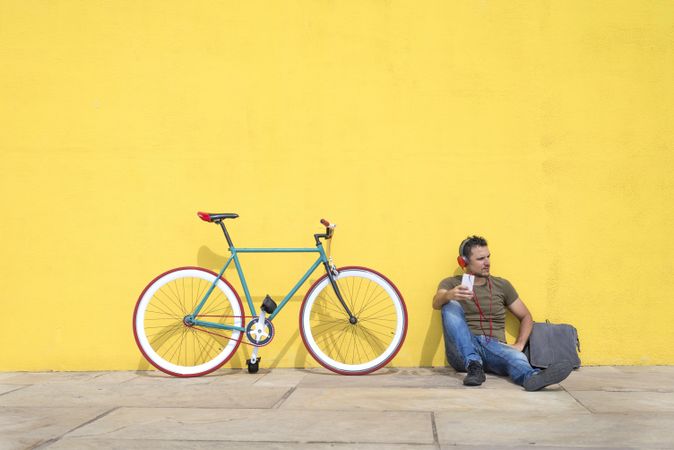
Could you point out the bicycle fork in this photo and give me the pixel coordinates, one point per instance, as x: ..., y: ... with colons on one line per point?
x: 332, y: 273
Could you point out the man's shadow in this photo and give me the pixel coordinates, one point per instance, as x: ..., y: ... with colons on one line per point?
x: 434, y: 340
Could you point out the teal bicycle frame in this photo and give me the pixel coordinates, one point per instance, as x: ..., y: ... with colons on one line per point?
x: 322, y: 259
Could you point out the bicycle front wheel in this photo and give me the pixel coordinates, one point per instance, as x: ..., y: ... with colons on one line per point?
x: 168, y: 341
x: 354, y: 348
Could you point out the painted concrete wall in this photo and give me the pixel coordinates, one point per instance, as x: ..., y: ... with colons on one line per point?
x: 545, y: 126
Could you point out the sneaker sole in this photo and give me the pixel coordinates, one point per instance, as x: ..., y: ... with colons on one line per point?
x: 552, y: 375
x: 475, y: 383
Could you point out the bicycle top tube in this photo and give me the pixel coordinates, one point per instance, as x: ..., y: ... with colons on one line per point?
x: 276, y: 250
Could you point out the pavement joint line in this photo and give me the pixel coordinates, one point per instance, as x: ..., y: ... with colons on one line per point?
x: 360, y: 442
x: 24, y: 386
x: 285, y: 396
x: 249, y: 408
x: 220, y: 441
x: 262, y: 377
x: 425, y: 388
x: 436, y: 441
x: 620, y: 391
x: 56, y: 439
x: 643, y: 413
x: 577, y: 401
x: 44, y: 444
x: 100, y: 416
x: 130, y: 379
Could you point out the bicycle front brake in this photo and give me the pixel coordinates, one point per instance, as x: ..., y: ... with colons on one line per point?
x: 333, y: 268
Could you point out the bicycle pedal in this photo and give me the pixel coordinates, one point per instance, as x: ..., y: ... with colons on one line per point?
x: 253, y: 367
x: 268, y: 305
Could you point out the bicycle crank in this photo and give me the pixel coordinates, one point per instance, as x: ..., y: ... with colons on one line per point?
x: 259, y: 333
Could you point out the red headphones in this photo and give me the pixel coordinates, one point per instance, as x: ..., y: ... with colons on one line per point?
x: 462, y: 259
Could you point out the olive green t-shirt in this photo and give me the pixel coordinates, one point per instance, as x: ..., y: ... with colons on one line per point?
x: 502, y: 295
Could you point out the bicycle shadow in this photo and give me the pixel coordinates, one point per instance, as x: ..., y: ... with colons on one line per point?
x: 208, y: 259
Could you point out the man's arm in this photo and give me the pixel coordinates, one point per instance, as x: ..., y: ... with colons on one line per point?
x: 520, y: 310
x: 443, y: 296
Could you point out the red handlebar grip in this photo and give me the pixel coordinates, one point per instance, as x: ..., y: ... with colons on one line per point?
x: 325, y: 222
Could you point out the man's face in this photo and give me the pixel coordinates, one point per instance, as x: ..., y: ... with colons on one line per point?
x: 478, y: 262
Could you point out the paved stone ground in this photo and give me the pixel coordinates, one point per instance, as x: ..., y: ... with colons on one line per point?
x: 420, y: 408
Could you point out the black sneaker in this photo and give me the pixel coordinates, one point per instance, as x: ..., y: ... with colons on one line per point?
x: 475, y: 376
x: 552, y: 375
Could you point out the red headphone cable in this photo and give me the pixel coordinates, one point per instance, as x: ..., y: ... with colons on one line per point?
x: 479, y: 309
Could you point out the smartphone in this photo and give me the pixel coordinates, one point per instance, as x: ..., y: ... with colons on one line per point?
x: 468, y: 280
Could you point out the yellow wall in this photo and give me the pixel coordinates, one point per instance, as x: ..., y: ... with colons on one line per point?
x: 545, y: 126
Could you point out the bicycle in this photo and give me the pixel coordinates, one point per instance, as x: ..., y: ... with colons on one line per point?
x: 190, y: 321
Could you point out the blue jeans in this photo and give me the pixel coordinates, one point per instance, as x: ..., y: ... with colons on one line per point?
x: 462, y: 347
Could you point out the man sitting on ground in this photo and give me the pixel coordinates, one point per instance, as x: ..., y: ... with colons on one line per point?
x: 474, y: 324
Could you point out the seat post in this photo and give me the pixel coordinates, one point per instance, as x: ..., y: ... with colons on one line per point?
x: 224, y: 230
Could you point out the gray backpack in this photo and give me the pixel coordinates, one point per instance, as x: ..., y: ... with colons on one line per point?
x: 550, y: 343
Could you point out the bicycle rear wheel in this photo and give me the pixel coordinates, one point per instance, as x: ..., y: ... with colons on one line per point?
x: 370, y: 343
x: 165, y: 338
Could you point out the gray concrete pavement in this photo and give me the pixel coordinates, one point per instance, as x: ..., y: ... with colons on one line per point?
x: 419, y: 408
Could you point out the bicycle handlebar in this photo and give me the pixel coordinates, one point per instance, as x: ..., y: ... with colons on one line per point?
x: 329, y: 228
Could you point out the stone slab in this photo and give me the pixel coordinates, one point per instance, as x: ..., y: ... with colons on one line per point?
x: 25, y: 427
x: 416, y: 399
x: 543, y: 429
x: 261, y: 426
x: 621, y: 378
x: 239, y: 377
x: 151, y: 377
x: 282, y: 378
x: 404, y: 377
x: 160, y: 394
x: 626, y: 402
x: 67, y: 377
x: 4, y: 375
x: 20, y: 443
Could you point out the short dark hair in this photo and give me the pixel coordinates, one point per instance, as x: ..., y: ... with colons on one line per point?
x: 467, y: 245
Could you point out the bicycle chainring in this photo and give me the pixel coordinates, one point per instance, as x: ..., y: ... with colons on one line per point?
x: 262, y: 337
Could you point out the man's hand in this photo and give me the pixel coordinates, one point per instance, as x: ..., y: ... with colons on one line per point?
x: 516, y: 346
x: 460, y: 292
x: 520, y: 310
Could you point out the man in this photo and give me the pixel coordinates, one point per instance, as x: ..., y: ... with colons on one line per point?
x: 474, y: 324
